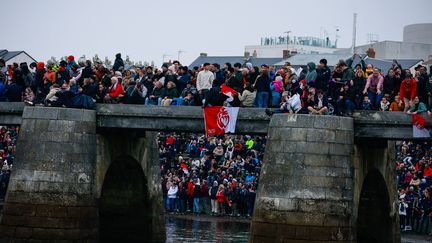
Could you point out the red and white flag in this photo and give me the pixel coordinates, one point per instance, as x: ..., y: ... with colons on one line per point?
x: 419, y: 130
x: 220, y: 120
x: 228, y: 92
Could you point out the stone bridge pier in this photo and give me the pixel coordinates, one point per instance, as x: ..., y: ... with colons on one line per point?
x: 320, y: 185
x: 73, y: 183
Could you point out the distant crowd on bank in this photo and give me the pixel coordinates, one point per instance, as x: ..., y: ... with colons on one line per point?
x: 313, y: 88
x: 210, y: 175
x: 414, y: 180
x: 8, y: 138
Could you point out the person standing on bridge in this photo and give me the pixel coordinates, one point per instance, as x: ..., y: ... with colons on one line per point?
x: 408, y: 90
x: 374, y: 88
x: 204, y: 80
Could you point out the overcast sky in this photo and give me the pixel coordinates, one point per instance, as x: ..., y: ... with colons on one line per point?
x: 147, y: 30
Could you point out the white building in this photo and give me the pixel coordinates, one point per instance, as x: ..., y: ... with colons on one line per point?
x: 416, y: 44
x: 275, y: 47
x: 15, y: 56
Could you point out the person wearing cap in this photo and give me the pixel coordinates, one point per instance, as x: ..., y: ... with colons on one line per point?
x: 70, y: 62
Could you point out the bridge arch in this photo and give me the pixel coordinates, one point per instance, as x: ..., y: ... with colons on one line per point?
x: 375, y: 192
x: 374, y: 223
x: 128, y: 188
x: 124, y: 204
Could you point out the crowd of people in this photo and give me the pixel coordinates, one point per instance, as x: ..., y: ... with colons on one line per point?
x: 210, y: 175
x: 310, y: 89
x: 414, y: 180
x: 8, y: 138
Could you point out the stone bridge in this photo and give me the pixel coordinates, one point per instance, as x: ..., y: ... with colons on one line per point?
x: 87, y: 176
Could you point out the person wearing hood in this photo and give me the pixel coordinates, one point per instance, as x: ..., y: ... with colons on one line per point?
x: 276, y: 88
x: 311, y: 75
x: 118, y: 63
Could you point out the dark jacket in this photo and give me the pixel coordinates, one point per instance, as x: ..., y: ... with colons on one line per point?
x: 213, y: 191
x: 171, y: 93
x: 323, y: 77
x: 262, y: 84
x: 214, y: 97
x: 118, y: 63
x: 14, y: 92
x: 197, y: 191
x: 159, y: 93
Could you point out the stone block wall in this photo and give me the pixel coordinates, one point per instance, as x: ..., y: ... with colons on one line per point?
x: 52, y: 187
x: 306, y: 185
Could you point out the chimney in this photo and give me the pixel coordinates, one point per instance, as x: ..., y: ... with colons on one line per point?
x: 203, y: 54
x: 371, y: 53
x: 285, y: 54
x: 246, y: 55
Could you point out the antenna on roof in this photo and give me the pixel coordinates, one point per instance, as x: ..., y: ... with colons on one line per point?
x: 337, y: 29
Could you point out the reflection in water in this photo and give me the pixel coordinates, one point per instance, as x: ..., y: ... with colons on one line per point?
x: 182, y: 230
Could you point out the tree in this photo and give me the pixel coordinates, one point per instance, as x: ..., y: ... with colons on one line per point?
x: 107, y: 62
x: 96, y: 58
x: 128, y: 61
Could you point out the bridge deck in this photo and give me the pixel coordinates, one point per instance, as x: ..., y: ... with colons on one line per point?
x: 367, y: 124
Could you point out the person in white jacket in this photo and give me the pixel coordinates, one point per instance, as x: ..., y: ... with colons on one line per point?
x: 402, y: 213
x: 172, y: 195
x: 204, y: 80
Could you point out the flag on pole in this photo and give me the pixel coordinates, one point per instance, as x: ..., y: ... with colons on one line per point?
x: 220, y: 120
x: 419, y: 130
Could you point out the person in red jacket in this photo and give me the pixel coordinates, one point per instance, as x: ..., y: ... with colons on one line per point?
x: 408, y: 90
x: 115, y: 92
x: 190, y: 194
x: 220, y: 198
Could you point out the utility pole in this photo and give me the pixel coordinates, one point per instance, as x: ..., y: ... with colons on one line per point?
x: 163, y: 57
x: 287, y: 46
x: 354, y: 33
x: 287, y: 34
x: 178, y: 54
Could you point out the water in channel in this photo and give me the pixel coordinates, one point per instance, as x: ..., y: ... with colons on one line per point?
x: 187, y: 230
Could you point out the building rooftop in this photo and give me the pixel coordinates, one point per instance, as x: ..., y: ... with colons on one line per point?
x: 221, y: 60
x: 7, y: 55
